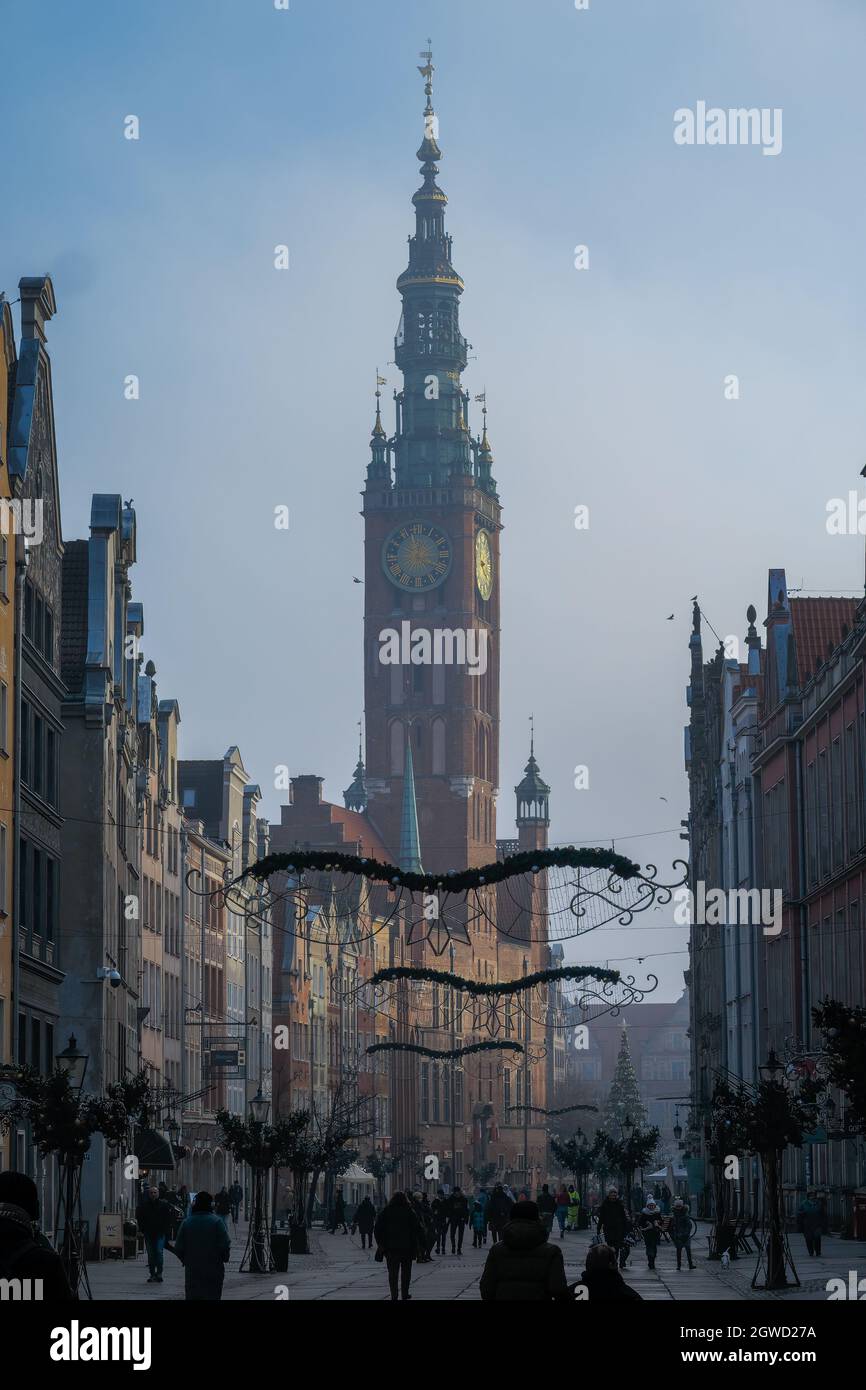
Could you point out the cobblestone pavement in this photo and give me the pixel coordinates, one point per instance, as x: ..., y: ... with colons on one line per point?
x: 338, y: 1268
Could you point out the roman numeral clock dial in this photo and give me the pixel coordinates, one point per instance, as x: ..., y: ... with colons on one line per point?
x: 417, y: 556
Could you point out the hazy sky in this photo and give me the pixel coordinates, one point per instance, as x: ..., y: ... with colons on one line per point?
x: 605, y: 386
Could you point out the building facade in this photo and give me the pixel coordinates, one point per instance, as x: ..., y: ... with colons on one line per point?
x: 102, y: 785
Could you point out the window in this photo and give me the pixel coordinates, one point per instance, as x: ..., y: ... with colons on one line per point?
x: 4, y: 717
x: 25, y: 742
x: 4, y: 566
x: 3, y: 885
x: 425, y: 1090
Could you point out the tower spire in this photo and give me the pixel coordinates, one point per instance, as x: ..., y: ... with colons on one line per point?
x: 355, y: 795
x: 410, y: 843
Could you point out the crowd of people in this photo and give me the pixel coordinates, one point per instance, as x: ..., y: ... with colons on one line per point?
x: 522, y: 1263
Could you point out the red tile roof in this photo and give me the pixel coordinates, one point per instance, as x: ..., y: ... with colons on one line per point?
x: 818, y: 624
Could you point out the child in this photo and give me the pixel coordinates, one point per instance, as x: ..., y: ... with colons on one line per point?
x: 479, y: 1224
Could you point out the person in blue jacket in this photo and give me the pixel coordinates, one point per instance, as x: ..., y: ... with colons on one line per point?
x: 203, y: 1248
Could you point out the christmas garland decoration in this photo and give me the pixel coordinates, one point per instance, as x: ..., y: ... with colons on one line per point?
x: 446, y: 1054
x: 486, y: 987
x: 454, y: 881
x: 565, y: 1110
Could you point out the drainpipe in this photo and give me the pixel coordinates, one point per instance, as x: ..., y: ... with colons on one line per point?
x: 20, y: 575
x: 804, y: 940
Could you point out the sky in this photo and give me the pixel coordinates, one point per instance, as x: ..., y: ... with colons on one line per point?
x: 606, y: 386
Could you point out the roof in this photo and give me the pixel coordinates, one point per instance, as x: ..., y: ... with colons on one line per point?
x: 73, y: 630
x: 820, y: 624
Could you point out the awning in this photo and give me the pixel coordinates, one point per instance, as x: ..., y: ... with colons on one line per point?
x: 355, y: 1173
x: 153, y: 1150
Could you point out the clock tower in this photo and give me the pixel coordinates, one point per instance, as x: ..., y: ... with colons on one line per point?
x: 432, y: 524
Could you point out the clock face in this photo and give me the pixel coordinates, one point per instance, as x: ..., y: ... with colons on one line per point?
x: 417, y: 556
x: 483, y: 565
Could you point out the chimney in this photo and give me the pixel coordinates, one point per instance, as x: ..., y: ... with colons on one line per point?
x: 306, y: 790
x: 37, y: 305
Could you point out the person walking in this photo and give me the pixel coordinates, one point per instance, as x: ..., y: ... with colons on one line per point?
x: 236, y: 1194
x: 427, y: 1234
x: 439, y: 1212
x: 613, y: 1223
x: 665, y: 1199
x: 24, y: 1250
x: 499, y: 1211
x: 484, y: 1198
x: 203, y: 1248
x: 338, y: 1217
x: 649, y: 1223
x: 601, y: 1278
x: 222, y: 1205
x: 458, y: 1215
x: 681, y: 1231
x: 478, y: 1222
x: 810, y: 1219
x: 573, y: 1208
x: 398, y: 1234
x: 546, y: 1207
x: 154, y: 1221
x: 561, y: 1210
x: 524, y: 1265
x: 365, y: 1220
x: 429, y: 1225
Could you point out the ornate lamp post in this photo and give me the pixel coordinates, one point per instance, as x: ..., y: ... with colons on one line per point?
x: 257, y: 1256
x: 74, y: 1064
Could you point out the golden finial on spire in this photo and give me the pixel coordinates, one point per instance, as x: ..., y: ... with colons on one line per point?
x: 380, y: 381
x: 431, y: 123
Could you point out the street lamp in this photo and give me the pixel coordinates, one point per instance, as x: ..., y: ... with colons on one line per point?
x: 258, y: 1242
x: 259, y: 1108
x: 74, y: 1063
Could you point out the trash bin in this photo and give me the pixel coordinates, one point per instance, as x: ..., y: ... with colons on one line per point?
x: 130, y: 1240
x: 280, y: 1250
x: 298, y: 1240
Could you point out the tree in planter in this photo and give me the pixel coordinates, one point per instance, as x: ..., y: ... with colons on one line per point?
x: 844, y: 1032
x: 380, y: 1166
x: 262, y: 1147
x: 577, y: 1157
x: 763, y: 1120
x: 634, y: 1150
x: 62, y: 1123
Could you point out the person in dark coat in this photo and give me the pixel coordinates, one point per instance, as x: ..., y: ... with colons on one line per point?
x: 810, y: 1220
x: 153, y: 1215
x: 203, y: 1248
x: 458, y: 1215
x: 498, y: 1211
x: 650, y: 1223
x: 546, y: 1207
x: 439, y: 1212
x: 613, y: 1222
x: 601, y: 1278
x: 236, y: 1193
x: 222, y: 1205
x: 524, y: 1265
x: 365, y: 1220
x: 339, y: 1214
x: 680, y: 1230
x: 398, y: 1234
x: 24, y: 1250
x: 425, y: 1225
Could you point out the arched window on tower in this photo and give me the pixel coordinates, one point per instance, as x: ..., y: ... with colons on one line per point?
x: 438, y: 752
x: 439, y: 683
x: 397, y: 741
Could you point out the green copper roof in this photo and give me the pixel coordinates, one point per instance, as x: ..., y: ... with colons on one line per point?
x: 410, y: 844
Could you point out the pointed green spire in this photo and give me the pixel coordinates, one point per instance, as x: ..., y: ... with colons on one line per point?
x: 410, y: 844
